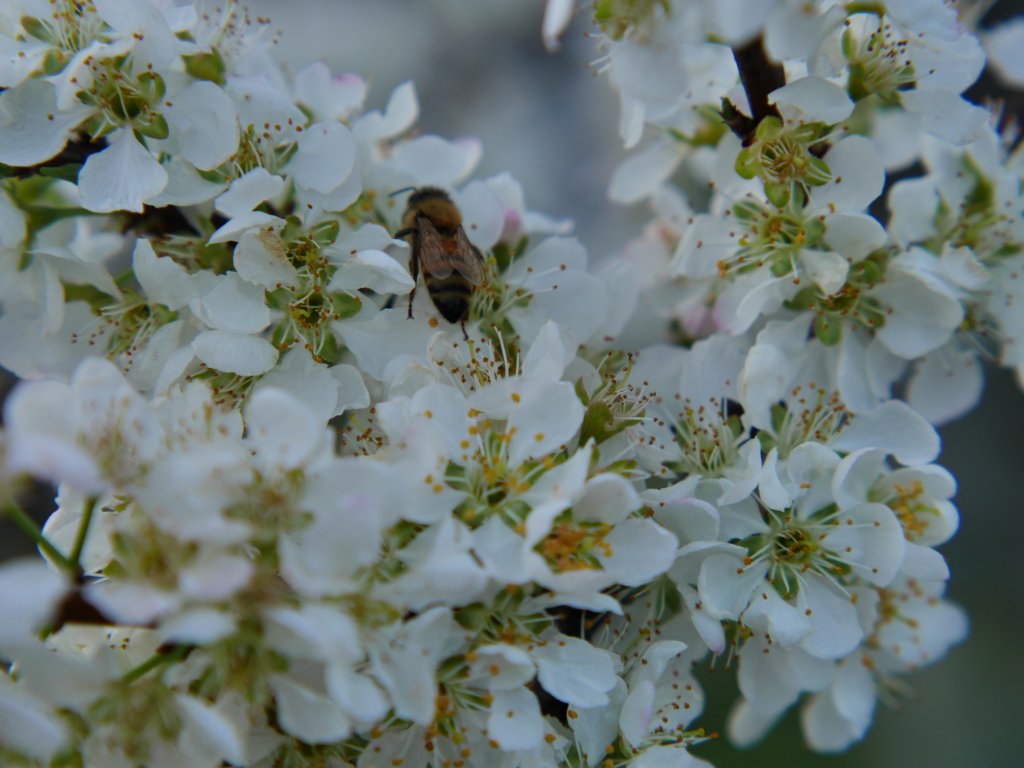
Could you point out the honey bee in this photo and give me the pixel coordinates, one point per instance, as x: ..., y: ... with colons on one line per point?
x: 452, y: 266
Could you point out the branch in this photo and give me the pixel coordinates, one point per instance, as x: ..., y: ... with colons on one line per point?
x: 759, y: 77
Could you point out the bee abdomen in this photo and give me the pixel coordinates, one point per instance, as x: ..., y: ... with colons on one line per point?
x: 451, y: 297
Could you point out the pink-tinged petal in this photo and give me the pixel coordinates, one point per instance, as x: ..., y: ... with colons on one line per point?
x: 329, y: 97
x: 123, y: 177
x: 32, y: 128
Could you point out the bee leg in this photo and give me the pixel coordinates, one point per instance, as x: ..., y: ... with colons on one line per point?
x: 464, y: 334
x: 414, y: 268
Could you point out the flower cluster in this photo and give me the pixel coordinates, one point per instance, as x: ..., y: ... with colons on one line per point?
x: 303, y: 520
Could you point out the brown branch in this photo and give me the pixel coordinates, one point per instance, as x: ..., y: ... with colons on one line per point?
x: 759, y: 77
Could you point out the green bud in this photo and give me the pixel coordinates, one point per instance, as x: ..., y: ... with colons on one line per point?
x: 777, y: 193
x: 828, y: 329
x: 206, y: 66
x: 37, y: 29
x: 152, y: 86
x: 54, y: 62
x: 345, y: 306
x: 155, y: 128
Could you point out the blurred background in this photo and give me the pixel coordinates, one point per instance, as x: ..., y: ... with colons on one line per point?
x: 480, y: 70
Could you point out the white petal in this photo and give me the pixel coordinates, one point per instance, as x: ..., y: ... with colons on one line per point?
x: 32, y: 129
x: 260, y: 258
x: 607, y: 498
x: 325, y: 157
x: 923, y: 314
x: 312, y: 717
x: 854, y: 235
x: 574, y: 671
x: 122, y: 177
x: 515, y: 721
x: 431, y: 160
x: 483, y: 216
x: 946, y: 384
x: 219, y: 730
x: 835, y: 627
x: 857, y: 176
x: 248, y: 191
x: 204, y: 124
x: 545, y: 424
x: 1004, y: 45
x: 870, y: 537
x: 374, y: 270
x: 828, y: 270
x: 640, y: 174
x: 637, y: 711
x: 401, y: 112
x: 501, y: 667
x: 915, y: 205
x: 235, y: 352
x: 946, y: 115
x: 235, y: 305
x: 557, y: 15
x: 198, y: 626
x: 283, y: 431
x: 163, y: 280
x: 725, y: 585
x: 812, y: 99
x: 894, y: 427
x: 641, y: 550
x: 28, y: 724
x: 597, y: 727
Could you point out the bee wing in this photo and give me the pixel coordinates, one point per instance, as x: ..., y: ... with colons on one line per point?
x: 440, y: 256
x: 471, y: 265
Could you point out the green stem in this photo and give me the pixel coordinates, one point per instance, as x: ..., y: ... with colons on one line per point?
x: 28, y: 525
x: 83, y: 532
x: 176, y: 654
